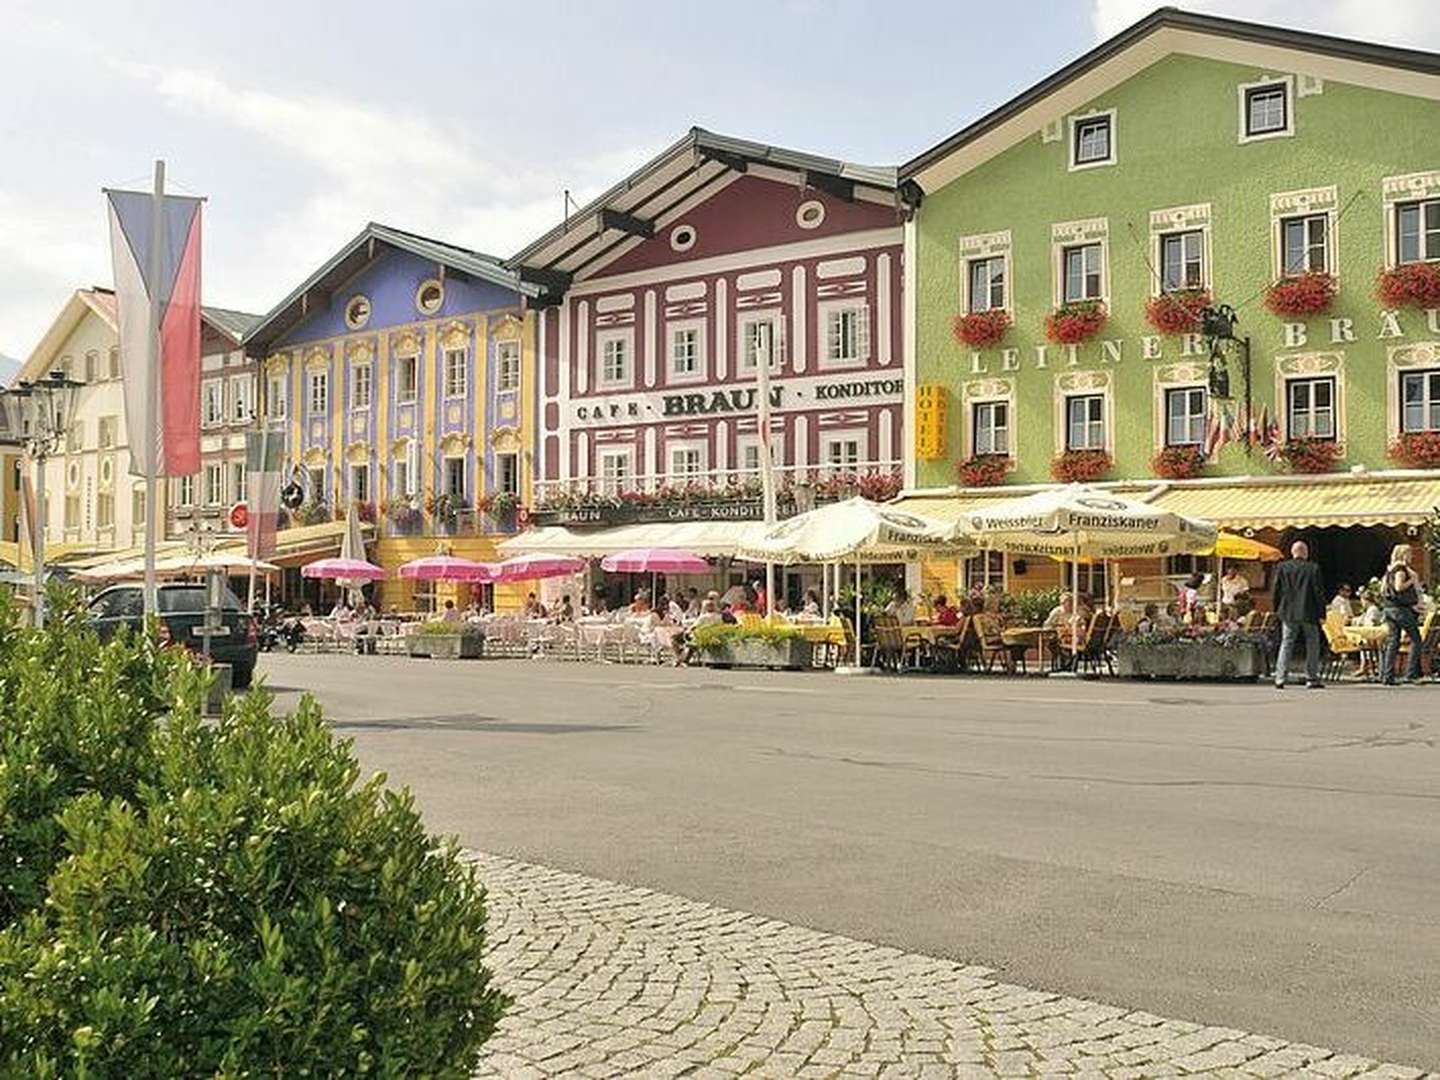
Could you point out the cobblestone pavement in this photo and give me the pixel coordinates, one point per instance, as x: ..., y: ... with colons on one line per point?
x: 611, y: 980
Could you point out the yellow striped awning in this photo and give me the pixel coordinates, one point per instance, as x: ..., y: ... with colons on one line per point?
x: 1314, y: 501
x: 947, y: 508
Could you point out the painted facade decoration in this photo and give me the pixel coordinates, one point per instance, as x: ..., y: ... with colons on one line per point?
x: 665, y: 295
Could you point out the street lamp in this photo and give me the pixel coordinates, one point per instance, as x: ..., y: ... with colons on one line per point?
x: 39, y: 414
x: 1217, y: 326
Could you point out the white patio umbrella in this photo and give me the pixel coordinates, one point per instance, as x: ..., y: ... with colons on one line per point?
x: 1078, y: 522
x: 854, y: 529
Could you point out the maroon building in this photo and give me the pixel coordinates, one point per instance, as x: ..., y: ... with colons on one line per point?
x: 663, y: 297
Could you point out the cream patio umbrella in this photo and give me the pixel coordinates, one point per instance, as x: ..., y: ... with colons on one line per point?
x: 1078, y: 522
x: 855, y: 529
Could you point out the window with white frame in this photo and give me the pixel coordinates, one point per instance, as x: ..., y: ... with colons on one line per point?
x: 72, y: 511
x: 406, y: 469
x: 104, y: 510
x: 761, y: 336
x: 985, y: 571
x: 614, y: 360
x: 92, y: 366
x: 319, y: 392
x: 687, y: 350
x: 1182, y: 260
x: 214, y: 484
x: 407, y: 378
x: 455, y: 479
x: 616, y: 471
x: 985, y: 288
x: 749, y: 451
x: 239, y: 482
x: 112, y: 370
x: 1310, y: 408
x: 212, y: 403
x: 277, y: 397
x: 316, y: 485
x: 360, y: 483
x: 106, y: 432
x: 137, y: 510
x: 842, y: 451
x: 242, y: 399
x: 1266, y: 109
x: 990, y: 425
x: 1085, y: 422
x: 1417, y: 231
x: 507, y: 473
x: 507, y: 366
x: 185, y: 490
x: 1185, y: 410
x: 1305, y: 244
x: 1083, y: 267
x: 456, y: 373
x: 687, y: 462
x: 1420, y: 401
x: 360, y: 376
x: 75, y: 437
x: 1092, y: 140
x: 847, y: 334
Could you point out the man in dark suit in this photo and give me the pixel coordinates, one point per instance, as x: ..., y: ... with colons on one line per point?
x: 1300, y: 607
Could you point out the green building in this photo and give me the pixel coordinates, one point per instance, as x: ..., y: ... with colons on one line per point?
x: 1073, y: 236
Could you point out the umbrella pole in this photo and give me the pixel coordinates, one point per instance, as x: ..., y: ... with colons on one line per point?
x: 825, y: 589
x: 857, y: 609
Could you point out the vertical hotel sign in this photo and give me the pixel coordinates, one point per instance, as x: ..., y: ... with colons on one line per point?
x: 931, y: 404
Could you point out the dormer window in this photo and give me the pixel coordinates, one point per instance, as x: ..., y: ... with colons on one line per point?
x: 1092, y: 140
x: 1266, y: 109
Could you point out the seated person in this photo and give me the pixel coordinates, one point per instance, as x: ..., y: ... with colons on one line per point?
x: 811, y: 607
x: 451, y: 612
x: 1148, y: 618
x: 566, y: 611
x: 1344, y: 602
x: 902, y: 607
x: 1233, y: 585
x: 1060, y: 613
x: 945, y: 615
x: 533, y: 608
x: 727, y: 615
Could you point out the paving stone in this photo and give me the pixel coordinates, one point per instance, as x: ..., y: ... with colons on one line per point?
x: 610, y: 980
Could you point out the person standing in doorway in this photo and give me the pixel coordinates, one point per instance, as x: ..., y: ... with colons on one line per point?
x: 1399, y: 596
x: 1300, y: 607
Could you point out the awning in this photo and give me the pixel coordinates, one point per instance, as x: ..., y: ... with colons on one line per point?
x: 712, y: 538
x: 1313, y: 501
x: 947, y: 508
x: 55, y: 554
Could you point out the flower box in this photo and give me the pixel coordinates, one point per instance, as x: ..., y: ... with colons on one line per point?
x: 1177, y: 312
x: 1311, y: 455
x: 1080, y: 466
x: 1412, y: 285
x: 790, y: 654
x: 1072, y: 323
x: 982, y: 328
x: 1190, y: 659
x: 1417, y: 450
x: 1301, y: 295
x: 983, y: 470
x: 446, y: 641
x: 1179, y: 462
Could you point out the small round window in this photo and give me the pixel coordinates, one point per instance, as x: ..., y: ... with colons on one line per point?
x: 810, y: 214
x: 357, y: 312
x: 682, y: 237
x: 429, y: 296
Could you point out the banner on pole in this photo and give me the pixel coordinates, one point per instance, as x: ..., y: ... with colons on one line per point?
x: 173, y: 440
x: 29, y: 522
x: 264, y: 457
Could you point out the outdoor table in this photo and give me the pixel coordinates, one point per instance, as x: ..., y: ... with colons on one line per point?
x: 821, y: 633
x: 1036, y: 637
x: 1371, y: 637
x: 929, y: 632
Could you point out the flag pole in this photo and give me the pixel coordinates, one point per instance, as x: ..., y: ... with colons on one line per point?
x: 263, y: 416
x: 767, y: 463
x: 152, y: 387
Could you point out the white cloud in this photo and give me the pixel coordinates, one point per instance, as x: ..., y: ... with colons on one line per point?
x: 1409, y: 23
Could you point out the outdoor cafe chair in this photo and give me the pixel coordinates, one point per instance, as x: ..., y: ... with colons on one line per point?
x: 1091, y: 650
x: 1430, y: 643
x: 867, y: 649
x: 993, y: 646
x: 954, y: 652
x: 889, y: 643
x: 1342, y: 648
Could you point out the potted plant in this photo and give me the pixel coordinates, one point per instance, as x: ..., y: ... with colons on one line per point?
x: 1411, y: 285
x: 764, y: 645
x: 1080, y: 466
x: 441, y: 508
x: 441, y: 640
x: 981, y: 328
x: 1192, y: 654
x: 1177, y: 312
x: 1179, y: 462
x: 1031, y: 607
x: 1311, y: 455
x: 403, y: 514
x: 1076, y: 321
x: 983, y: 470
x: 1417, y: 450
x: 1301, y: 295
x: 365, y: 510
x: 313, y: 512
x: 878, y: 486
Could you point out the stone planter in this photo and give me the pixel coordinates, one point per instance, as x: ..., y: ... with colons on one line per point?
x: 1190, y: 660
x: 468, y: 646
x: 791, y: 655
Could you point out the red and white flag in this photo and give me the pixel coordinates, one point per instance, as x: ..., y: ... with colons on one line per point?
x: 164, y: 432
x: 264, y: 457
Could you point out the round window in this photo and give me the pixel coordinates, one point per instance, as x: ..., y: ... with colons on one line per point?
x: 429, y: 296
x: 810, y: 214
x: 682, y: 237
x: 357, y: 312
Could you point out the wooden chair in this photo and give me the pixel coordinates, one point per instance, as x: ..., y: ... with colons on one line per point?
x: 1430, y: 643
x: 993, y: 647
x: 1092, y: 650
x: 867, y: 649
x: 955, y: 652
x: 889, y: 643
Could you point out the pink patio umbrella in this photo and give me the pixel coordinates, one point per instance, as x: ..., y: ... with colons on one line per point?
x: 446, y: 568
x: 531, y: 567
x: 343, y: 569
x: 654, y: 561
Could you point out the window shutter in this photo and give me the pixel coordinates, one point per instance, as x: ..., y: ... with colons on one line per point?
x: 862, y: 331
x: 779, y: 324
x: 834, y: 348
x: 412, y: 470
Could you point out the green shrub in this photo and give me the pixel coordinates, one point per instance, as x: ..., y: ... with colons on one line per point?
x: 1032, y: 606
x: 441, y: 628
x: 718, y: 636
x: 180, y: 898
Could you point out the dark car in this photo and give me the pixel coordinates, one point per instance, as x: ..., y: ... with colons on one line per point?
x: 182, y: 610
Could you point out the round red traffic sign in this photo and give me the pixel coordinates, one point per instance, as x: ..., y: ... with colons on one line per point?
x: 239, y: 516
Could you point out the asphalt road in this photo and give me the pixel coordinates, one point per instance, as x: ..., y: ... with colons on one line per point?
x: 1228, y: 855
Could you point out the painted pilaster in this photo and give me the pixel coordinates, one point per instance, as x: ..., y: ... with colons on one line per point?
x: 480, y: 387
x: 650, y: 338
x: 907, y: 341
x: 532, y: 368
x: 380, y: 411
x: 722, y: 326
x: 882, y: 309
x: 565, y: 383
x: 582, y: 348
x: 799, y: 302
x: 429, y: 444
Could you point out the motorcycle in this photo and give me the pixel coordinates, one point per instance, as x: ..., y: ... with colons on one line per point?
x: 280, y: 631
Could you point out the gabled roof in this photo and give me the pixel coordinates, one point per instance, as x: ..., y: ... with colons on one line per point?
x: 666, y: 186
x: 233, y: 324
x: 354, y: 256
x: 1160, y: 33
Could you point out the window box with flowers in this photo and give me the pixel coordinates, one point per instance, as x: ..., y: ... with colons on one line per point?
x: 1179, y: 462
x: 365, y: 511
x: 441, y: 509
x: 983, y: 470
x: 1417, y: 450
x: 1077, y: 321
x: 502, y: 508
x: 1301, y: 295
x: 1414, y: 285
x: 1177, y: 312
x: 313, y: 513
x: 1311, y: 455
x: 1080, y: 466
x: 982, y: 328
x: 403, y: 515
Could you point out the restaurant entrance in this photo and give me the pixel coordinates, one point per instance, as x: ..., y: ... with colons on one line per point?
x: 1350, y: 554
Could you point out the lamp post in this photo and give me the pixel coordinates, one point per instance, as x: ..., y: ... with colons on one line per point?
x: 39, y: 414
x: 1217, y: 326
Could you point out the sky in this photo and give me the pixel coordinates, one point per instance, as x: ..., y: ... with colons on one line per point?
x: 300, y: 121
